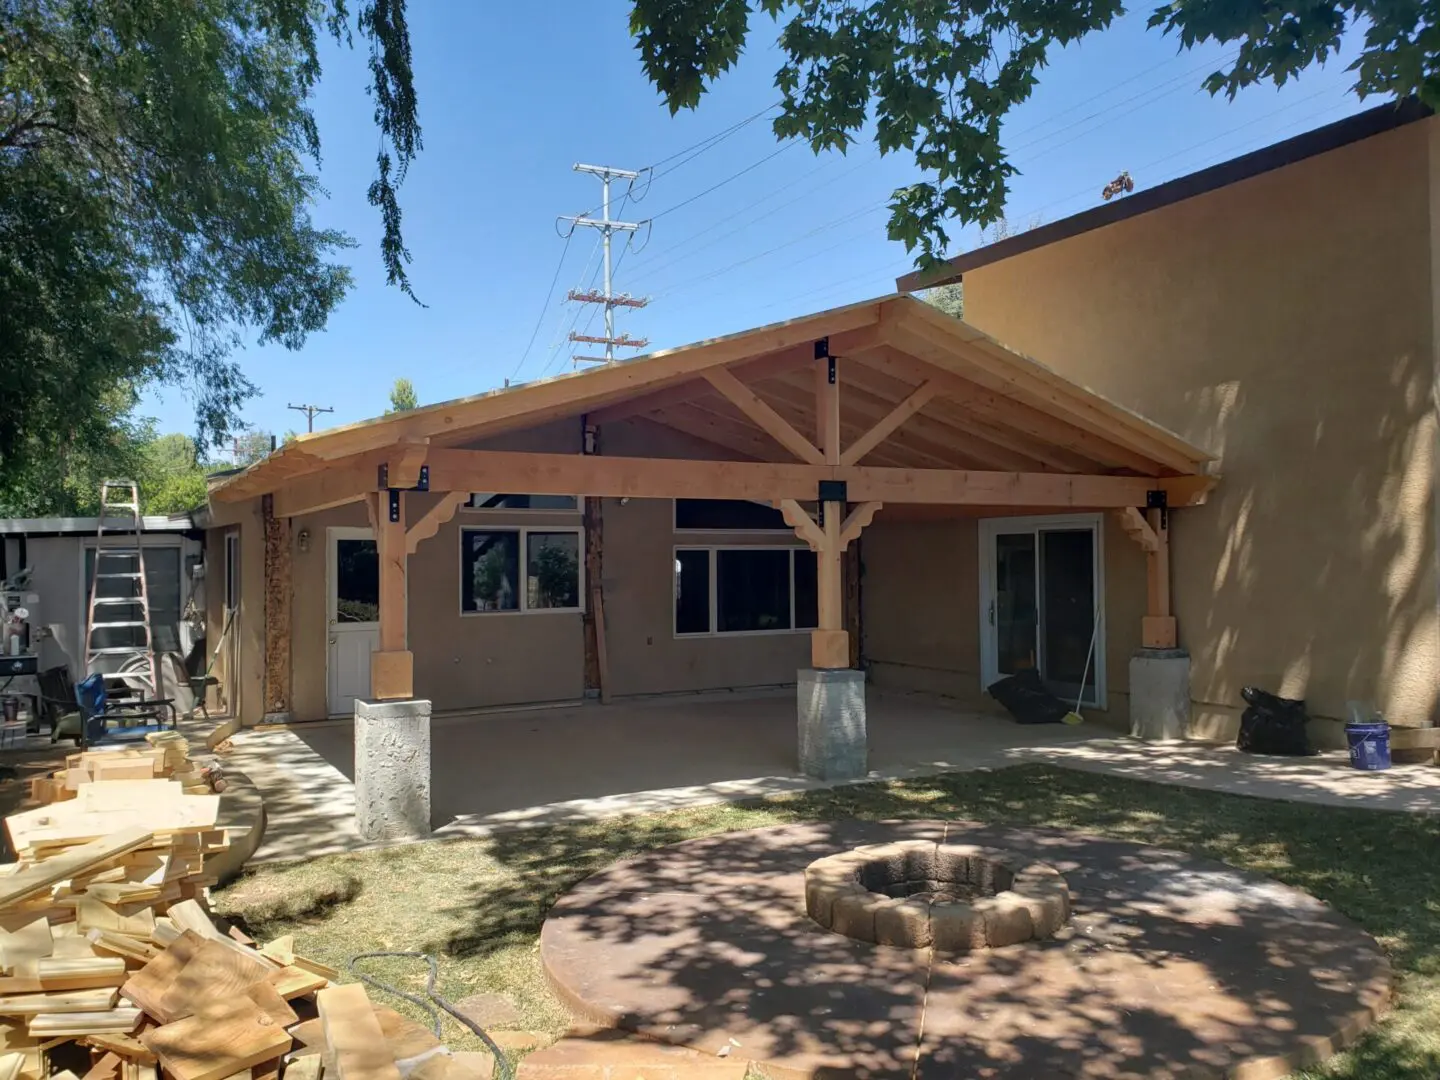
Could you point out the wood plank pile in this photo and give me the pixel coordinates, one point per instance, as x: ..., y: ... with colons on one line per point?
x: 114, y: 970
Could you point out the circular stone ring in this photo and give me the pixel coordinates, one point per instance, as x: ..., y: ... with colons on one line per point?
x: 950, y: 897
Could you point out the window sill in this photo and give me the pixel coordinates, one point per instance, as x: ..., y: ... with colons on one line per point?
x: 533, y: 611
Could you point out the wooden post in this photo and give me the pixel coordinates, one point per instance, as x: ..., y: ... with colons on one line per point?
x: 278, y: 592
x: 392, y: 668
x: 853, y: 602
x: 829, y: 643
x: 597, y: 668
x: 1158, y: 630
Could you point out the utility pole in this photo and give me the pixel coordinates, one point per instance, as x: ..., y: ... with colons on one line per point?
x: 611, y: 301
x: 309, y: 411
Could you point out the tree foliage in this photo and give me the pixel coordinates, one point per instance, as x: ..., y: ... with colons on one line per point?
x: 155, y: 199
x: 938, y: 77
x: 402, y: 397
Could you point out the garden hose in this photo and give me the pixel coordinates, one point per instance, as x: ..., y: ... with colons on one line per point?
x: 502, y: 1063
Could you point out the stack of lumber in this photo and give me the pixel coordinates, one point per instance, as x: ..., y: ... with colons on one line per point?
x: 111, y: 967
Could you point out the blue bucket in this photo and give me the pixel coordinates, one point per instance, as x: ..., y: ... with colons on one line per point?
x: 1369, y: 745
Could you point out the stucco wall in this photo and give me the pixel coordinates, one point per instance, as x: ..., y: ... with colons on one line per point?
x: 1285, y: 323
x: 923, y: 614
x: 493, y: 659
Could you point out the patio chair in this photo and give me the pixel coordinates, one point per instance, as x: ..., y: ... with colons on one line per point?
x: 132, y: 720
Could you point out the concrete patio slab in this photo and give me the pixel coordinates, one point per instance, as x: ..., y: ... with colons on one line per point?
x: 505, y: 770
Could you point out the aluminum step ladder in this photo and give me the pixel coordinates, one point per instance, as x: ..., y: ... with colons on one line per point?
x: 122, y: 609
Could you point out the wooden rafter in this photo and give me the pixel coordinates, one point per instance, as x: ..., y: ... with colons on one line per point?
x: 403, y: 463
x: 1005, y: 421
x: 763, y: 416
x: 975, y: 362
x: 982, y: 350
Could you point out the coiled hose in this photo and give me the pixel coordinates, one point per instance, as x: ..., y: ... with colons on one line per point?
x: 435, y: 1003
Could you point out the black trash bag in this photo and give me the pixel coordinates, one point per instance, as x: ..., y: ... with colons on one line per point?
x: 1027, y: 700
x: 1273, y: 725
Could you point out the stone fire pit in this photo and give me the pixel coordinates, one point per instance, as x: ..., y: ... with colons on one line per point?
x: 950, y: 897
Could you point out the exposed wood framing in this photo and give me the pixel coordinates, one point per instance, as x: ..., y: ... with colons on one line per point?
x: 404, y: 461
x: 917, y: 400
x: 804, y: 525
x: 1158, y: 629
x: 278, y: 593
x: 763, y: 416
x: 1137, y: 528
x: 430, y: 522
x: 620, y: 477
x: 391, y: 666
x: 335, y: 486
x: 856, y: 521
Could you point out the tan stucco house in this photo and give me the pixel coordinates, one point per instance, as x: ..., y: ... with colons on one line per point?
x: 1224, y: 444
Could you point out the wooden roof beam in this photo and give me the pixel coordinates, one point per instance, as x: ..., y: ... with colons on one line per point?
x: 653, y: 478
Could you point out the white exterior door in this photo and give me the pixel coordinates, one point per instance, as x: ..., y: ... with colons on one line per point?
x: 352, y: 615
x: 1042, y: 591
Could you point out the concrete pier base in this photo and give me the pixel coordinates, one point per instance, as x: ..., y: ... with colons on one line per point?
x: 830, y: 704
x: 392, y: 770
x: 1160, y: 694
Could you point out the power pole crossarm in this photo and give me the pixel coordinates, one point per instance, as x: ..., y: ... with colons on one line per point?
x: 607, y: 227
x: 310, y: 411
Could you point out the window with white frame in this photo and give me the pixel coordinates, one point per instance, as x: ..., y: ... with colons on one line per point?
x: 520, y: 569
x: 744, y: 590
x: 484, y: 500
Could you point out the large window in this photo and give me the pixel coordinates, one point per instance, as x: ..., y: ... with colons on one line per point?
x: 744, y: 590
x: 727, y: 515
x: 484, y: 500
x: 491, y: 564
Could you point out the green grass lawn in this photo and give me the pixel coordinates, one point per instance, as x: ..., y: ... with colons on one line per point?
x: 478, y: 904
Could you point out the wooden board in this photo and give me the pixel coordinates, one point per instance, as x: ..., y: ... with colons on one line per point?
x: 126, y: 1046
x: 33, y: 941
x: 38, y: 877
x: 147, y: 987
x: 58, y: 1001
x: 137, y: 921
x: 83, y: 973
x: 353, y: 1034
x: 53, y: 1024
x: 212, y: 973
x: 225, y: 1039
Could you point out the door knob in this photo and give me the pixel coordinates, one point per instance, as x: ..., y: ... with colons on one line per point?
x: 332, y: 641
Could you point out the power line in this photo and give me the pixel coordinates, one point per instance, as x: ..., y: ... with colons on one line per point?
x: 540, y: 318
x: 716, y: 187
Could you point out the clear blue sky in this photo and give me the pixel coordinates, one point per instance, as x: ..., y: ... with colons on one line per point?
x: 511, y: 96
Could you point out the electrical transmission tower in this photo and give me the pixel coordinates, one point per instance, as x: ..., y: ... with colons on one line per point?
x: 611, y: 301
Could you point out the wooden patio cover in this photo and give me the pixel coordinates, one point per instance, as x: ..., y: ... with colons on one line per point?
x: 889, y: 401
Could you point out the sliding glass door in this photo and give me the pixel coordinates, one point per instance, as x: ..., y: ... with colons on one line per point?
x: 1041, y: 589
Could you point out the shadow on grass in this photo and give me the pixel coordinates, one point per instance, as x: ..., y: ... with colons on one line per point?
x: 1381, y: 870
